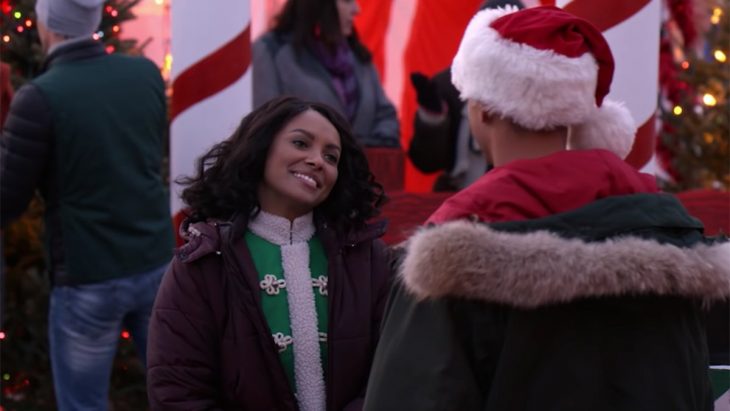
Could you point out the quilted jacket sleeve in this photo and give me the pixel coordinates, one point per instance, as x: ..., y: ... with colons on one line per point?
x: 24, y: 151
x: 183, y: 372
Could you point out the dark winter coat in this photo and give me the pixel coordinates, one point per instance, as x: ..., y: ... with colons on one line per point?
x: 586, y: 291
x: 596, y: 309
x: 210, y: 347
x: 88, y: 133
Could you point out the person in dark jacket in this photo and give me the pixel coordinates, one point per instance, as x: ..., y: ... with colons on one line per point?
x: 441, y: 140
x: 313, y: 52
x: 562, y: 279
x: 88, y: 133
x: 275, y: 301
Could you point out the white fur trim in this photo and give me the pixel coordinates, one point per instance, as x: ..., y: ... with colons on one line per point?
x: 538, y: 89
x: 471, y: 260
x: 293, y: 236
x: 611, y: 127
x: 280, y: 230
x: 308, y: 372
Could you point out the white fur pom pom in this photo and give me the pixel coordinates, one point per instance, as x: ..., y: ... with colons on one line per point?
x: 611, y: 128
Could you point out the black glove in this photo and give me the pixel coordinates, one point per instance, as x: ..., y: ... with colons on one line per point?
x: 426, y: 93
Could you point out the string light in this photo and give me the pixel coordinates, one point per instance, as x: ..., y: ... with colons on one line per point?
x: 2, y: 335
x: 114, y: 13
x: 116, y: 29
x: 709, y: 138
x: 125, y: 334
x: 17, y: 15
x: 95, y: 36
x: 28, y: 23
x: 716, y: 14
x: 709, y: 100
x: 720, y: 56
x: 677, y: 110
x: 6, y: 38
x: 159, y: 2
x: 20, y: 29
x: 685, y: 64
x: 166, y: 65
x: 110, y: 49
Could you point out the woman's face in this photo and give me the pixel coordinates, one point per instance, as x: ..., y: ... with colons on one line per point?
x: 301, y: 167
x: 347, y: 10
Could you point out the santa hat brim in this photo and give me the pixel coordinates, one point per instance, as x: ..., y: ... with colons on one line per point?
x: 538, y: 89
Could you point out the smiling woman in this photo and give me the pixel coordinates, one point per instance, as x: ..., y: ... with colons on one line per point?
x: 276, y: 299
x: 302, y: 166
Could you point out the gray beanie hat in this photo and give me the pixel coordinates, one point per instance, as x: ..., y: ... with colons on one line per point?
x: 72, y: 18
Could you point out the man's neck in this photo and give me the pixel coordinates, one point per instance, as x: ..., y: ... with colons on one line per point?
x: 514, y: 145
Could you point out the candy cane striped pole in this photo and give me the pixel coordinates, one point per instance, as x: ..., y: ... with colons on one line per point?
x: 211, y: 80
x: 631, y: 28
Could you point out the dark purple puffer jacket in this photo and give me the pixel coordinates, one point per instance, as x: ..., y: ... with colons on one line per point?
x: 210, y: 347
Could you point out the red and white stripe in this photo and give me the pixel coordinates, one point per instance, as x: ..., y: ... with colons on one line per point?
x: 631, y: 28
x: 211, y: 80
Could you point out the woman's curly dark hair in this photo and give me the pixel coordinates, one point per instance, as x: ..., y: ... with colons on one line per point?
x: 228, y: 175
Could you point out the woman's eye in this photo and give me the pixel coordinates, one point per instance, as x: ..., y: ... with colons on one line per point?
x: 299, y: 143
x: 331, y: 158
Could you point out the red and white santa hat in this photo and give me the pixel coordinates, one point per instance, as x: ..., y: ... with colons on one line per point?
x: 543, y: 67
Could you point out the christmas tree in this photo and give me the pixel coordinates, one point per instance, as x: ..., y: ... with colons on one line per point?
x: 695, y: 138
x: 25, y: 372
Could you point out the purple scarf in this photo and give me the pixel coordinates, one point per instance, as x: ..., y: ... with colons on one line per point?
x: 341, y: 66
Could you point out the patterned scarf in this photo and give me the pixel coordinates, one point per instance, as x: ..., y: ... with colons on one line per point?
x: 341, y: 66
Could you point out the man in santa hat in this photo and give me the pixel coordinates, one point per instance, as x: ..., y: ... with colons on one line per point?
x: 561, y: 279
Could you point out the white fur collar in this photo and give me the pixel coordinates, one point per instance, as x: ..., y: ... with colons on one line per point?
x: 280, y: 230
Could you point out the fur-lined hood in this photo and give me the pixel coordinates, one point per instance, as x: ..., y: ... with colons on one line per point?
x: 473, y: 260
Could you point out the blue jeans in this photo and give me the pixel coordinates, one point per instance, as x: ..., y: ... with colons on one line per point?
x: 84, y: 326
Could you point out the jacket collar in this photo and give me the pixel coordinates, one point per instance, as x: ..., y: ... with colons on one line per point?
x: 73, y: 51
x: 537, y: 264
x: 206, y: 237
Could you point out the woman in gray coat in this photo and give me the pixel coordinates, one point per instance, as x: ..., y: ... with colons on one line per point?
x: 313, y: 52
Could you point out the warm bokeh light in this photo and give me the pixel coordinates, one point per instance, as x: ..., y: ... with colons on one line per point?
x: 677, y: 110
x: 709, y: 100
x: 685, y: 64
x: 6, y: 38
x: 720, y: 56
x: 716, y: 14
